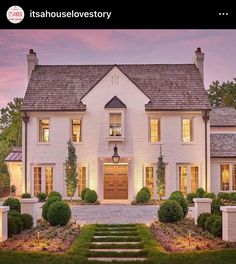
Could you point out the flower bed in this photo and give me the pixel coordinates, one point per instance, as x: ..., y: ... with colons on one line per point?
x: 174, y: 237
x: 51, y: 239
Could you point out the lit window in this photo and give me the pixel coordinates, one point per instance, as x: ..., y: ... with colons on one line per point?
x: 183, y: 179
x: 81, y: 179
x: 76, y: 130
x: 44, y: 130
x: 154, y: 130
x: 115, y: 125
x: 234, y: 178
x: 194, y: 178
x: 224, y: 177
x: 48, y: 179
x: 149, y: 181
x: 187, y: 130
x: 37, y: 180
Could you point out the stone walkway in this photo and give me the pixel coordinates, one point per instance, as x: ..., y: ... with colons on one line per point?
x: 114, y: 214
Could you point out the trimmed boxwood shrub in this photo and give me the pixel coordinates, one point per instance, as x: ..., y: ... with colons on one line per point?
x: 27, y: 221
x: 25, y: 195
x: 50, y: 201
x: 91, y: 196
x: 145, y: 189
x: 59, y: 213
x: 43, y: 196
x: 223, y: 196
x: 209, y: 195
x: 176, y: 192
x: 170, y: 211
x: 190, y: 197
x: 233, y: 196
x: 53, y: 194
x: 13, y: 203
x: 142, y: 196
x: 14, y: 213
x: 200, y: 192
x: 213, y: 225
x: 215, y: 206
x: 15, y: 225
x: 83, y: 192
x: 201, y: 220
x: 182, y: 202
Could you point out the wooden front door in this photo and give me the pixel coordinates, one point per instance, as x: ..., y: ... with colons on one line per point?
x: 115, y: 181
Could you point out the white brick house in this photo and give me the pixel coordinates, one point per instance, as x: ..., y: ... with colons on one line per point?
x: 137, y: 107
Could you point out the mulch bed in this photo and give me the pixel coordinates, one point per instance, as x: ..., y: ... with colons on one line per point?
x: 51, y: 239
x: 174, y: 237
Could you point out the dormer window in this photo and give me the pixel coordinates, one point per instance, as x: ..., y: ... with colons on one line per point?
x: 115, y: 110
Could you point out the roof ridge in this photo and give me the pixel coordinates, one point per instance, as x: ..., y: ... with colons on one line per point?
x: 114, y: 64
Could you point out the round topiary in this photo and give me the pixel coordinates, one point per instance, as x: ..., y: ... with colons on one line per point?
x: 27, y: 221
x: 91, y: 196
x: 215, y: 206
x: 83, y: 192
x: 13, y: 203
x: 15, y: 225
x: 213, y: 224
x: 190, y: 197
x: 53, y: 194
x: 14, y: 213
x: 170, y: 211
x: 182, y: 202
x: 146, y: 190
x: 59, y: 213
x: 50, y: 201
x: 43, y: 196
x: 200, y: 192
x: 202, y: 219
x: 26, y: 195
x: 142, y: 196
x: 176, y: 192
x: 209, y: 195
x: 223, y: 196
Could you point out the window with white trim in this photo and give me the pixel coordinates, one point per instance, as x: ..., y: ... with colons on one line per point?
x: 115, y: 124
x: 228, y: 177
x: 187, y: 130
x: 76, y: 130
x: 82, y: 170
x: 44, y: 130
x: 154, y: 130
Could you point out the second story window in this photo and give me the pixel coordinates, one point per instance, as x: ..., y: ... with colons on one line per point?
x: 115, y: 124
x: 154, y: 128
x: 76, y: 130
x: 44, y: 130
x: 187, y: 130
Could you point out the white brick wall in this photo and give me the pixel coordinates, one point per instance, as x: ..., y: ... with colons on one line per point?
x: 95, y: 145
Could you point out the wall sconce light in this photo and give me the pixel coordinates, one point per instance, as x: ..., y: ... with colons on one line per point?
x: 115, y: 157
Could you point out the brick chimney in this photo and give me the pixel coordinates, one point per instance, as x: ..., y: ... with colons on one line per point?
x: 198, y: 60
x: 32, y: 61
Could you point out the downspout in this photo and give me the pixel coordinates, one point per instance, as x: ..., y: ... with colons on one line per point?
x: 205, y: 118
x: 26, y: 120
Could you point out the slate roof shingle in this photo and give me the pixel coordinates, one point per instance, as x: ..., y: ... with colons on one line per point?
x: 223, y: 117
x: 223, y: 145
x: 15, y: 155
x: 169, y: 86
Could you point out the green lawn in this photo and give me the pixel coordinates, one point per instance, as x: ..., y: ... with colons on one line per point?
x: 77, y: 253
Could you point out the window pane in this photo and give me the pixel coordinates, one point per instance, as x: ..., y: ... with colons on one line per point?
x: 186, y: 130
x: 194, y: 178
x: 37, y: 180
x: 81, y: 179
x: 234, y: 178
x: 76, y: 130
x: 115, y: 124
x: 154, y: 130
x: 44, y: 130
x: 183, y: 179
x: 149, y: 181
x: 224, y: 177
x: 48, y: 179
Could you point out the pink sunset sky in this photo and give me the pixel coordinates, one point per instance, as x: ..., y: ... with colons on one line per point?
x: 112, y: 47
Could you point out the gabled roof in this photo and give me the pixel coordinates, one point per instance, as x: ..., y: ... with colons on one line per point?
x: 115, y: 102
x: 223, y: 145
x: 169, y: 86
x: 15, y: 155
x: 223, y: 117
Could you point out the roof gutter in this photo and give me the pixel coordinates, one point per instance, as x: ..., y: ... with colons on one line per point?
x: 26, y: 118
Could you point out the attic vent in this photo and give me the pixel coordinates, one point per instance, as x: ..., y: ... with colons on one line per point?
x: 114, y: 79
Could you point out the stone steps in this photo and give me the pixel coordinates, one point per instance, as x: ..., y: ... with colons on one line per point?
x: 111, y: 242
